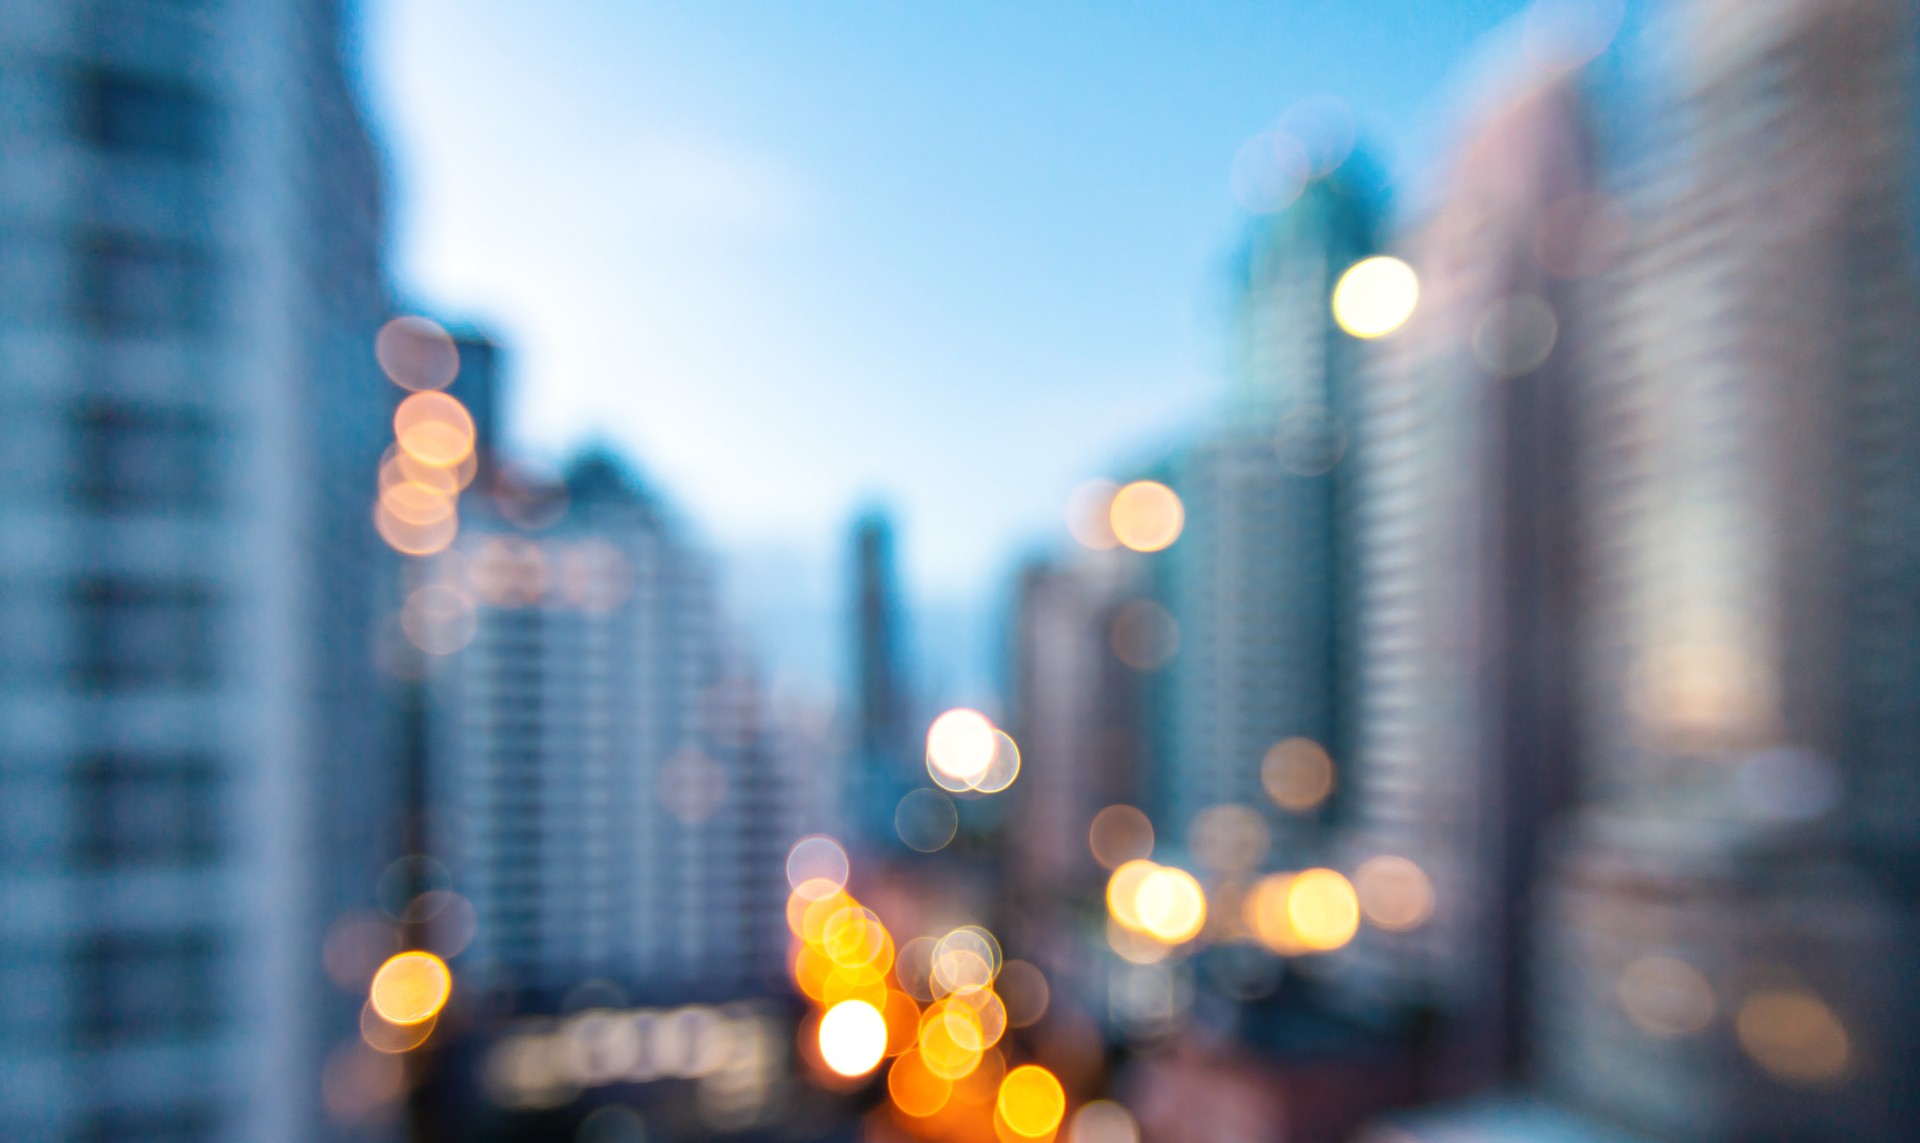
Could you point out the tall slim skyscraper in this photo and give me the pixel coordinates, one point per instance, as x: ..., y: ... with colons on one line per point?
x: 887, y: 761
x: 607, y: 796
x: 192, y: 738
x: 1467, y: 527
x: 1733, y: 936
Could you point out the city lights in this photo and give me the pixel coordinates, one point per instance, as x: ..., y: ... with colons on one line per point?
x: 416, y: 353
x: 1297, y: 774
x: 1031, y: 1101
x: 1794, y: 1036
x: 410, y: 988
x: 915, y: 1089
x: 853, y: 1038
x: 1323, y: 909
x: 1157, y: 901
x: 434, y: 429
x: 1146, y: 516
x: 1375, y: 297
x: 1103, y: 1121
x: 1666, y: 996
x: 1120, y: 834
x: 1395, y: 894
x: 961, y: 746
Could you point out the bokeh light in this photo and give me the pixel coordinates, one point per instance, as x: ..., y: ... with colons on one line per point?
x: 411, y: 987
x: 853, y: 1038
x: 1103, y: 1121
x: 1323, y: 909
x: 1120, y: 834
x: 1031, y: 1101
x: 925, y: 820
x: 1088, y: 519
x: 438, y: 619
x: 1265, y: 912
x: 434, y: 429
x: 1375, y: 297
x: 1123, y: 892
x: 1146, y: 516
x: 1170, y: 905
x: 1229, y: 838
x: 416, y: 353
x: 1665, y: 996
x: 817, y: 866
x: 915, y: 1089
x: 1794, y: 1036
x: 1395, y: 894
x: 1515, y: 336
x: 415, y: 539
x: 1143, y: 635
x: 1024, y: 990
x: 384, y: 1036
x: 961, y: 745
x: 1297, y: 774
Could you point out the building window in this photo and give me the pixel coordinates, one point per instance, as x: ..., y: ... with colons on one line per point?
x: 137, y: 115
x: 133, y: 286
x: 132, y: 633
x: 131, y: 810
x: 130, y: 457
x: 143, y: 986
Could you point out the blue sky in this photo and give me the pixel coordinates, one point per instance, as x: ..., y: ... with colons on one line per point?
x: 794, y: 257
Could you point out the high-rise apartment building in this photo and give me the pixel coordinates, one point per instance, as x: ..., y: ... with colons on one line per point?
x: 192, y: 736
x: 1733, y: 931
x: 1467, y: 529
x: 605, y: 793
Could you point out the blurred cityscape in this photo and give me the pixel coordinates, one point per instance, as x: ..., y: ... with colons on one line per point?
x: 1498, y: 719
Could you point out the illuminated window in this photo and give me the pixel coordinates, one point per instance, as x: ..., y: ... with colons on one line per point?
x: 133, y: 633
x: 133, y: 286
x: 137, y: 115
x: 132, y: 810
x: 133, y: 457
x: 144, y: 987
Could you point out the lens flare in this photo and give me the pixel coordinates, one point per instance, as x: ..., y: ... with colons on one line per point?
x: 1323, y: 909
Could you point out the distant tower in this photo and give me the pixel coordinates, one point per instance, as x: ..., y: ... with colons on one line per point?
x: 1257, y: 583
x: 599, y: 771
x: 887, y: 762
x: 1733, y: 946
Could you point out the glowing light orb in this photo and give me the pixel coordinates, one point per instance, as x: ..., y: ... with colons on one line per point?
x: 416, y: 353
x: 1120, y: 834
x: 1171, y: 906
x: 1103, y: 1121
x: 410, y: 988
x: 1031, y: 1101
x: 817, y: 867
x: 1323, y: 909
x: 1395, y: 894
x: 1297, y: 774
x: 961, y: 745
x: 1794, y: 1037
x: 1146, y: 516
x: 434, y: 429
x: 1666, y: 997
x: 1375, y: 297
x: 917, y: 1091
x: 853, y: 1038
x: 1123, y: 892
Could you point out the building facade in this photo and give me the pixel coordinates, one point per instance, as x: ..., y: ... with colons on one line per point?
x: 1733, y: 919
x: 194, y: 734
x: 606, y: 795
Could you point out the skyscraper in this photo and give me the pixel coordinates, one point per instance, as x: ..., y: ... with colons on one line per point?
x: 887, y: 760
x: 1257, y: 581
x: 1467, y: 528
x: 194, y: 737
x: 1734, y: 920
x: 599, y: 768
